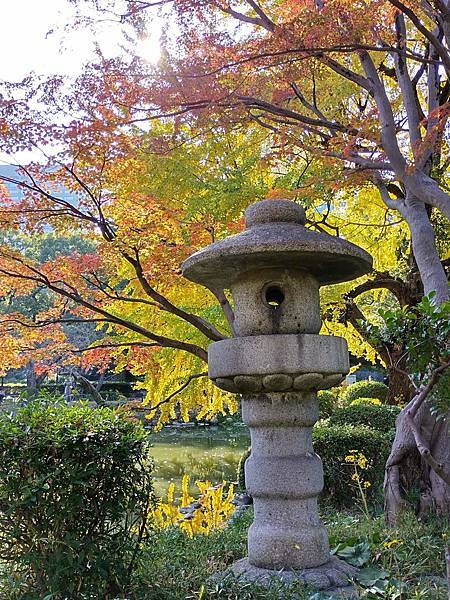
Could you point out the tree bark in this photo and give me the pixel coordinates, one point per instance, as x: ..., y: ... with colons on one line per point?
x: 440, y: 448
x: 402, y: 468
x: 399, y: 387
x: 399, y: 468
x: 34, y: 381
x: 424, y: 249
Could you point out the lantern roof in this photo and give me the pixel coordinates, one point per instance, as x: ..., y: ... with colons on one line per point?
x: 276, y: 237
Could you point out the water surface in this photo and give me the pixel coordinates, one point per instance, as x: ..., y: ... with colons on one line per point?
x: 211, y: 453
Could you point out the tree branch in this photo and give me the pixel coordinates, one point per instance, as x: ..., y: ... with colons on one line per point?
x: 178, y: 390
x: 203, y: 326
x: 440, y: 48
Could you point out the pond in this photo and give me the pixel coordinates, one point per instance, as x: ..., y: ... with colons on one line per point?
x: 211, y: 453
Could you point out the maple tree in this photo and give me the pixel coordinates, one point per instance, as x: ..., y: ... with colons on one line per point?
x: 347, y: 104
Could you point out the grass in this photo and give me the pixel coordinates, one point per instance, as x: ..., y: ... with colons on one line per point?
x: 402, y: 564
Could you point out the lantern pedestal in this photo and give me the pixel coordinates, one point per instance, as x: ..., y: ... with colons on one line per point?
x: 332, y: 578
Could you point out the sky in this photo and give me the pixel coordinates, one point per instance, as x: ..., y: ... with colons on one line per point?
x: 34, y: 37
x: 26, y: 44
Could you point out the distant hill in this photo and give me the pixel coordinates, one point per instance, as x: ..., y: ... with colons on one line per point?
x: 15, y: 191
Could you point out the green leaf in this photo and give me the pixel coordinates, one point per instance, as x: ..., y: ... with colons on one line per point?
x: 369, y: 576
x: 356, y: 555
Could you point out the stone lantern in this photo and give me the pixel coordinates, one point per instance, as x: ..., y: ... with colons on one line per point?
x: 277, y: 361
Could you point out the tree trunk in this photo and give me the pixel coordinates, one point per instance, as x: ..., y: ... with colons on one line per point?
x: 400, y: 389
x: 401, y: 466
x: 403, y: 469
x: 423, y: 243
x: 34, y: 381
x: 440, y: 449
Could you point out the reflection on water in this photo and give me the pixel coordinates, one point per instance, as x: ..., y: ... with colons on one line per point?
x: 204, y: 453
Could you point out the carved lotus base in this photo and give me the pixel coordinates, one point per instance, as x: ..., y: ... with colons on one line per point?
x: 279, y: 382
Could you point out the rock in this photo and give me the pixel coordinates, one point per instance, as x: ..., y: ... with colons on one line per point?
x: 246, y: 383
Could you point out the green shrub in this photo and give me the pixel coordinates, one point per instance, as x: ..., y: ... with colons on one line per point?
x: 359, y: 401
x: 381, y: 417
x: 327, y: 403
x: 365, y: 389
x: 75, y: 489
x: 334, y: 442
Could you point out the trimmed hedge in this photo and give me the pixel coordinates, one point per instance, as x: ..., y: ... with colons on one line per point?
x: 328, y: 403
x: 120, y: 386
x: 359, y: 401
x: 365, y: 389
x: 333, y: 443
x: 381, y: 417
x: 75, y: 493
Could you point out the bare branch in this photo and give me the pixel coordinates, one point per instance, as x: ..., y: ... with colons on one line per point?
x: 384, y: 194
x: 410, y: 100
x: 425, y: 451
x: 164, y: 341
x: 223, y: 301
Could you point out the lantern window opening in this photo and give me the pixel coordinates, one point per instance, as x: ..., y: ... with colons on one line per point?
x: 274, y: 295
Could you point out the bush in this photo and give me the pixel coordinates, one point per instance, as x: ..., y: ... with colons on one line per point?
x: 334, y: 442
x: 327, y: 403
x: 75, y: 491
x: 359, y: 401
x: 382, y: 418
x: 365, y: 389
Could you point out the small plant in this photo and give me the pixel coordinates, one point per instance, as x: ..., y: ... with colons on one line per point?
x: 75, y: 491
x: 333, y: 442
x: 328, y: 403
x: 211, y: 511
x: 359, y: 401
x: 359, y: 464
x: 365, y: 389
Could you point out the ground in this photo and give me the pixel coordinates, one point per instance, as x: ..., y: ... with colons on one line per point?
x: 403, y: 564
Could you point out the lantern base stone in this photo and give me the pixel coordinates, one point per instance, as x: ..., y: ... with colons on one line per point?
x: 333, y: 578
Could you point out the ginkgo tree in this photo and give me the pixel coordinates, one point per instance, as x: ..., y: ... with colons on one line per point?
x: 343, y: 104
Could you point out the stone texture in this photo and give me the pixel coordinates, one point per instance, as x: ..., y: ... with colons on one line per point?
x: 277, y: 361
x: 284, y: 476
x: 322, y: 577
x: 308, y: 381
x: 280, y: 244
x: 268, y: 211
x: 226, y: 383
x: 271, y: 301
x: 248, y: 383
x: 277, y: 383
x: 269, y: 354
